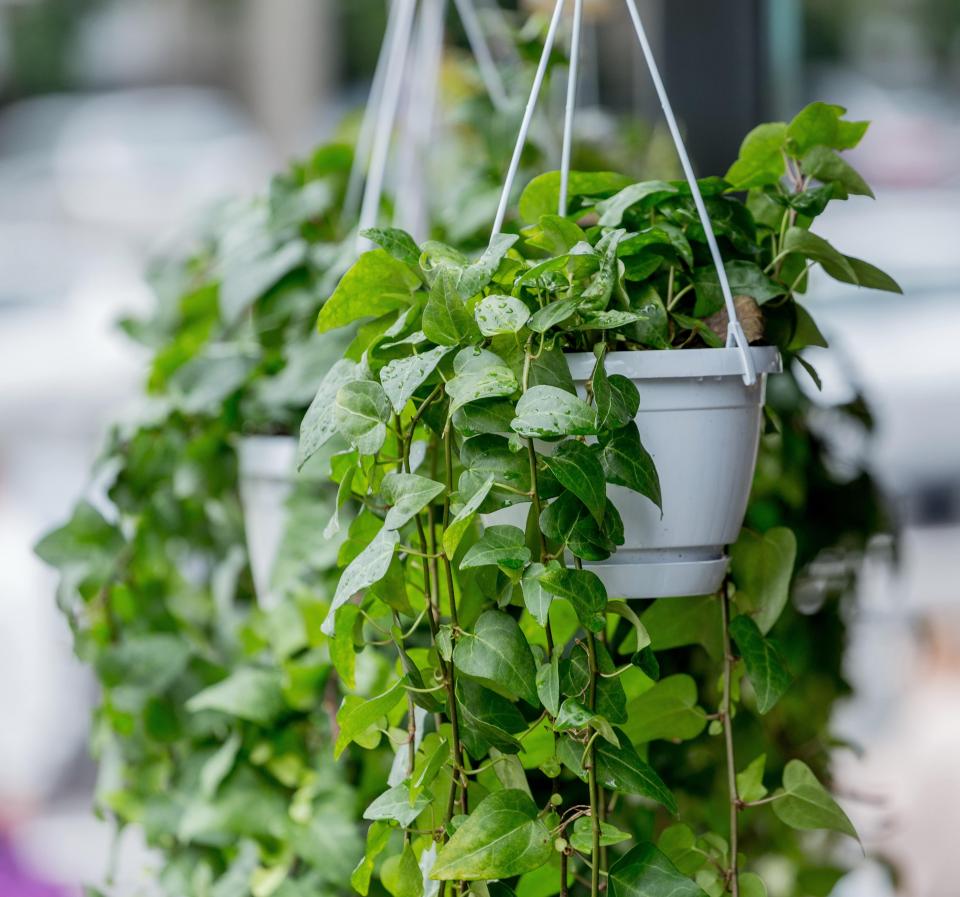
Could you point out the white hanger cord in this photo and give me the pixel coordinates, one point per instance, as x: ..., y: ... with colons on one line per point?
x: 528, y: 114
x: 489, y: 73
x: 735, y: 334
x: 573, y: 80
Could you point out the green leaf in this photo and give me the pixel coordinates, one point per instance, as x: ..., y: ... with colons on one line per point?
x: 502, y: 546
x: 620, y: 768
x: 357, y: 714
x: 554, y: 235
x: 542, y: 195
x: 248, y: 693
x: 547, y: 411
x: 750, y: 782
x: 401, y: 875
x: 361, y: 412
x: 378, y: 837
x: 496, y: 654
x: 402, y: 377
x: 396, y: 804
x: 745, y: 278
x: 699, y: 624
x: 807, y: 805
x: 218, y: 767
x: 762, y: 567
x: 367, y: 568
x: 487, y: 720
x: 397, y: 242
x: 454, y: 533
x: 152, y: 661
x: 548, y: 684
x: 582, y: 588
x: 484, y: 417
x: 489, y: 454
x: 247, y: 276
x: 536, y: 598
x: 751, y: 885
x: 611, y: 699
x: 761, y: 159
x: 803, y: 242
x: 479, y: 374
x: 828, y: 167
x: 581, y: 838
x: 574, y: 715
x: 821, y: 124
x: 376, y: 284
x: 551, y: 314
x: 872, y: 278
x: 478, y: 274
x: 627, y: 463
x: 343, y: 652
x: 501, y: 838
x: 446, y: 320
x: 765, y: 665
x: 612, y: 210
x: 679, y: 843
x: 551, y: 369
x: 617, y: 398
x: 319, y: 423
x: 646, y: 872
x: 407, y: 494
x: 597, y: 295
x: 668, y: 711
x: 500, y: 314
x: 577, y: 468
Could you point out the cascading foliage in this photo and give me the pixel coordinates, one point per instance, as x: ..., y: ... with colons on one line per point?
x: 522, y: 699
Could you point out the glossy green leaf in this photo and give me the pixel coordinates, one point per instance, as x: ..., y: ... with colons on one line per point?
x: 479, y: 273
x: 496, y: 654
x: 536, y: 598
x: 809, y: 245
x: 407, y: 494
x: 574, y: 715
x: 319, y: 423
x: 760, y: 161
x: 551, y: 314
x: 762, y: 567
x: 581, y: 837
x: 821, y: 124
x: 501, y: 838
x: 627, y: 463
x: 397, y: 242
x: 485, y: 417
x: 806, y: 804
x: 361, y: 411
x: 548, y: 684
x: 356, y: 714
x: 617, y: 399
x: 576, y: 466
x: 396, y: 804
x: 582, y: 588
x: 376, y: 284
x: 502, y: 546
x: 666, y: 711
x: 621, y: 768
x: 500, y: 314
x: 646, y: 872
x: 765, y: 665
x: 745, y: 278
x: 479, y: 374
x: 829, y: 167
x: 402, y: 377
x: 547, y: 411
x: 487, y: 720
x: 367, y: 568
x: 679, y: 844
x: 611, y: 699
x: 643, y: 195
x: 446, y: 320
x: 461, y: 522
x: 542, y: 195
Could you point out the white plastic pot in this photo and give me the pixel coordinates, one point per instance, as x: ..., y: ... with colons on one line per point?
x: 267, y: 468
x: 701, y: 425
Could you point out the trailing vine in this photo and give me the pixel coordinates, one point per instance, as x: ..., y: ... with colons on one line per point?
x: 478, y: 469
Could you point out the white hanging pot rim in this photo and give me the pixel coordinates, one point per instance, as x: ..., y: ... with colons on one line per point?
x: 667, y: 364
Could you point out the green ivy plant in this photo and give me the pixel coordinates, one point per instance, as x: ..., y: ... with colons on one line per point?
x: 523, y: 698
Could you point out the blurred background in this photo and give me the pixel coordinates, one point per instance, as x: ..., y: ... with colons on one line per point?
x: 121, y: 121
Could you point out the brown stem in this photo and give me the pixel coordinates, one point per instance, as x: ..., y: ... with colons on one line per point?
x: 726, y: 708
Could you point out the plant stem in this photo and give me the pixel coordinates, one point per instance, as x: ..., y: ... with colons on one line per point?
x: 726, y: 715
x: 595, y: 859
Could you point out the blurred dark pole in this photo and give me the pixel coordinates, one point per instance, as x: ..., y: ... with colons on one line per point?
x: 728, y: 66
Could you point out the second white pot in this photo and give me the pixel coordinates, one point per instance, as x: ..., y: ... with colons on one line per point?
x: 701, y: 425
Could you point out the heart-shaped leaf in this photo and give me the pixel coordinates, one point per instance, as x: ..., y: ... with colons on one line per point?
x: 547, y: 411
x: 496, y: 653
x: 407, y: 494
x: 502, y: 546
x: 646, y: 872
x: 627, y: 463
x: 765, y: 665
x: 805, y: 804
x: 361, y: 411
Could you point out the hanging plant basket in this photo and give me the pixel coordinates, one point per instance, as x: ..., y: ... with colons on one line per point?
x: 701, y: 425
x: 267, y: 470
